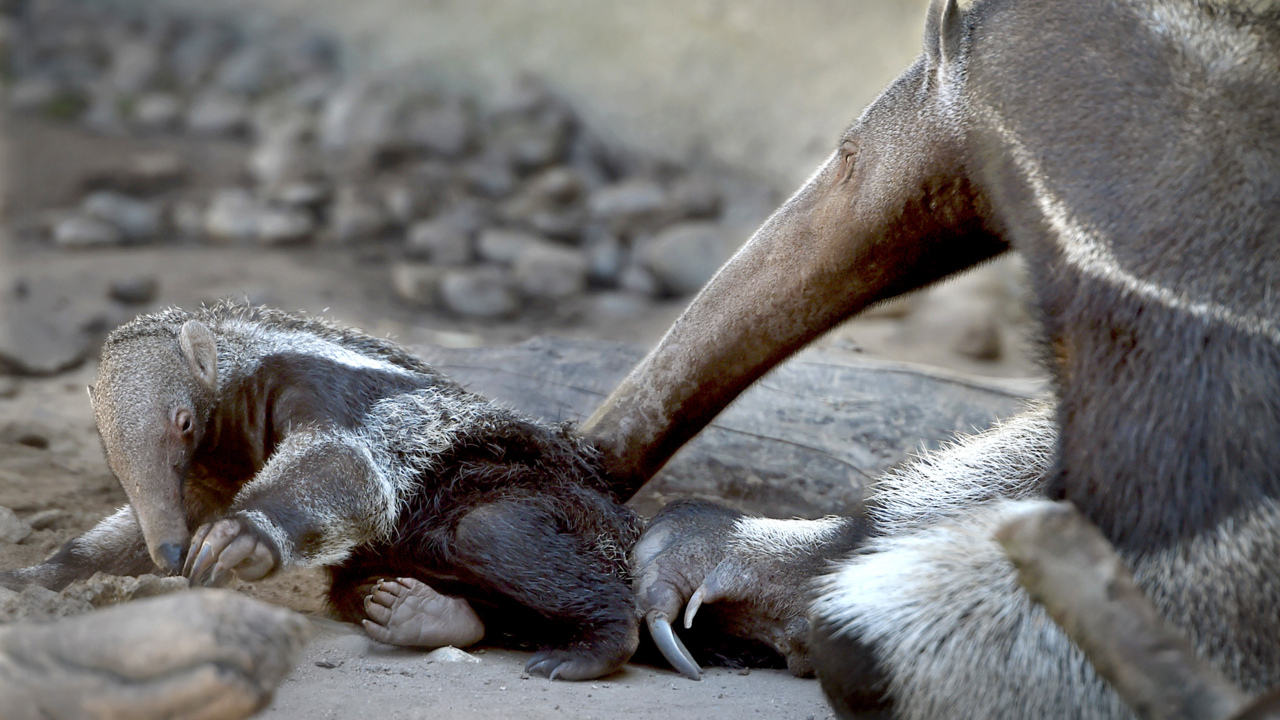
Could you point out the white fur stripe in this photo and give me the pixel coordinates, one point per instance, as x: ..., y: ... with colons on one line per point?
x: 1087, y: 248
x: 1009, y: 460
x: 766, y: 537
x: 271, y: 341
x: 955, y: 633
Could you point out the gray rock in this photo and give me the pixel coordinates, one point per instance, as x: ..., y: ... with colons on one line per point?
x: 550, y: 271
x: 102, y: 589
x: 232, y: 216
x: 357, y: 123
x: 197, y: 52
x: 9, y: 388
x: 696, y: 196
x: 138, y: 290
x: 32, y: 94
x: 490, y: 176
x: 504, y: 246
x: 353, y: 218
x: 685, y: 256
x: 46, y: 327
x: 285, y: 226
x: 566, y: 224
x: 281, y: 158
x: 146, y: 173
x: 103, y: 115
x: 484, y: 292
x: 245, y: 70
x: 51, y: 519
x: 468, y: 216
x: 605, y: 258
x: 215, y: 112
x: 449, y: 654
x: 628, y: 202
x: 38, y: 603
x: 417, y: 283
x: 137, y: 219
x: 157, y: 112
x: 80, y: 231
x: 134, y: 65
x: 446, y: 130
x: 440, y: 242
x: 558, y: 185
x: 421, y: 193
x: 13, y: 529
x: 304, y: 194
x: 188, y: 218
x: 635, y: 278
x: 619, y: 305
x: 531, y: 139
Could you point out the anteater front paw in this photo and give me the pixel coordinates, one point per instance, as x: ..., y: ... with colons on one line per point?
x: 755, y: 570
x: 231, y: 546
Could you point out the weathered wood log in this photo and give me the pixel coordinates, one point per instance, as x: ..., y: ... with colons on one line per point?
x: 200, y: 655
x: 1067, y: 565
x: 803, y: 441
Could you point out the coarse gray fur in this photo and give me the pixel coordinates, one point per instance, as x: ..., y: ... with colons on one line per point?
x: 1130, y: 151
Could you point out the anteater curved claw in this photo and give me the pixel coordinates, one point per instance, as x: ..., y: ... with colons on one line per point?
x: 671, y: 647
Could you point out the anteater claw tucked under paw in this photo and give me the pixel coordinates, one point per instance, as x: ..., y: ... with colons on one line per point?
x: 409, y: 613
x: 571, y: 664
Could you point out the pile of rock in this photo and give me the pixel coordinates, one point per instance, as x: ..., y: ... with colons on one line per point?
x: 483, y: 208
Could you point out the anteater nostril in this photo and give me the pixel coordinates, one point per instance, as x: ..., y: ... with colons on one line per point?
x: 171, y: 554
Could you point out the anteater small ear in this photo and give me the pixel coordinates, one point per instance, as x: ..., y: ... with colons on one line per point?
x: 944, y: 31
x: 201, y: 352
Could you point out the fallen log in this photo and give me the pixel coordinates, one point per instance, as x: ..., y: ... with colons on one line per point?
x: 804, y: 441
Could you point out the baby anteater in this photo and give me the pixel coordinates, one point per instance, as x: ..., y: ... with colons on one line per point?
x: 250, y: 441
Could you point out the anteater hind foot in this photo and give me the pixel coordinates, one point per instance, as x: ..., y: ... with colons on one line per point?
x: 521, y: 548
x: 409, y: 613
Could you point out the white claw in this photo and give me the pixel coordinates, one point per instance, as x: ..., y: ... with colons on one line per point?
x: 695, y: 602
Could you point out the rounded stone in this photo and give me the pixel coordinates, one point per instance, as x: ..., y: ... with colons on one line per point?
x: 484, y: 292
x: 157, y: 111
x: 417, y: 283
x: 504, y: 246
x: 12, y: 528
x: 550, y: 271
x: 684, y: 256
x: 439, y: 241
x: 79, y: 231
x: 218, y: 113
x: 137, y: 219
x: 232, y: 216
x: 285, y: 226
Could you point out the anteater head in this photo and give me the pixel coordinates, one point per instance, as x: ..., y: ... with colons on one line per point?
x: 152, y: 403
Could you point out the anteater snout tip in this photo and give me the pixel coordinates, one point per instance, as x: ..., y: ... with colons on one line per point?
x: 169, y: 558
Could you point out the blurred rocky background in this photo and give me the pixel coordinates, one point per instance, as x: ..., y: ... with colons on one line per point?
x: 452, y: 173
